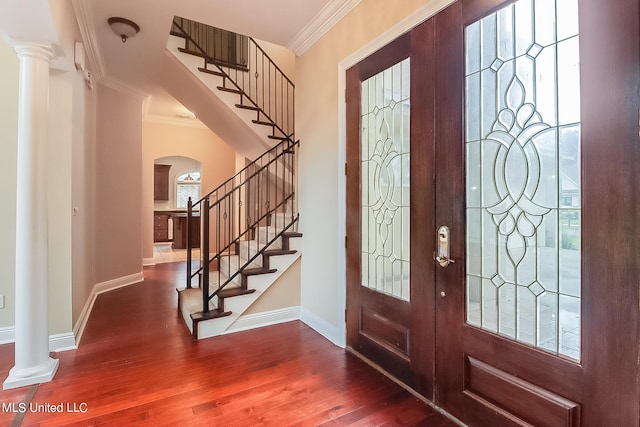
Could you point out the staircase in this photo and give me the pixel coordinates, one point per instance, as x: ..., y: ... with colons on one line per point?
x: 249, y: 222
x: 241, y: 73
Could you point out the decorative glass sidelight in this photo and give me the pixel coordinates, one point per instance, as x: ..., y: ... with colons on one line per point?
x: 384, y: 156
x: 523, y: 174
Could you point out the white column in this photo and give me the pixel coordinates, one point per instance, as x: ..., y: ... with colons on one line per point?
x: 32, y: 362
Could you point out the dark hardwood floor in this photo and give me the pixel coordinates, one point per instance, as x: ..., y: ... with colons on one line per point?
x: 137, y: 365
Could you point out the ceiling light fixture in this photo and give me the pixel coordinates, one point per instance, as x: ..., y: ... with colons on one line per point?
x: 123, y: 27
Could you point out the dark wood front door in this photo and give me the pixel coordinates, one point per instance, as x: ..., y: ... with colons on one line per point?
x: 538, y: 318
x: 390, y: 313
x: 525, y: 144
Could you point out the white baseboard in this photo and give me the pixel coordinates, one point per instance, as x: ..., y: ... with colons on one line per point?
x: 266, y: 318
x: 7, y: 334
x: 323, y: 327
x: 57, y: 342
x: 147, y: 262
x: 78, y: 329
x: 120, y: 282
x: 70, y: 340
x: 98, y: 289
x: 62, y: 342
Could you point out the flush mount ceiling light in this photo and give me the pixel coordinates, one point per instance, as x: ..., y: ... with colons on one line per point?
x: 123, y: 27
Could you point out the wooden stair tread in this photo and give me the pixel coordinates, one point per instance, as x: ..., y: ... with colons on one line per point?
x: 257, y: 271
x: 212, y: 314
x: 291, y: 234
x: 262, y: 122
x: 192, y: 52
x: 226, y: 89
x: 177, y: 34
x: 248, y: 107
x: 278, y: 137
x: 275, y: 252
x: 214, y: 72
x: 234, y: 292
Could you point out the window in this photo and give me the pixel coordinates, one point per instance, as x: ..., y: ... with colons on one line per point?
x: 187, y: 185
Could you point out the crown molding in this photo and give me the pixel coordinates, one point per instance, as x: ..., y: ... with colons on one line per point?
x: 84, y: 14
x: 329, y: 16
x: 423, y: 13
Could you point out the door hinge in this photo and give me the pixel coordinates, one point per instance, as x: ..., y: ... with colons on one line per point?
x: 345, y: 169
x: 345, y: 242
x: 345, y: 315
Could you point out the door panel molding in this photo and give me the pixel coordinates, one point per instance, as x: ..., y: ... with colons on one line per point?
x: 517, y: 399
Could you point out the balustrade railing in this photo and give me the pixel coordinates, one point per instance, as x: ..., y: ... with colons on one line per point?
x: 247, y: 67
x: 239, y: 219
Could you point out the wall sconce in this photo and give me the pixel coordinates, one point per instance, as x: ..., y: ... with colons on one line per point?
x: 123, y: 27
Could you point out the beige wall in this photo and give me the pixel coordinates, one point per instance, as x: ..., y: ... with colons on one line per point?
x: 59, y: 201
x: 217, y: 159
x: 118, y: 185
x: 282, y: 57
x: 9, y: 73
x: 319, y: 164
x: 83, y: 190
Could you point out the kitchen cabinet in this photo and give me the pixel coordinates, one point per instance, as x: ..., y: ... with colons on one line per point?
x: 160, y: 227
x: 161, y: 182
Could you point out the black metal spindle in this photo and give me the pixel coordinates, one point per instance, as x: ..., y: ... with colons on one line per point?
x: 188, y: 236
x: 205, y: 251
x: 218, y: 230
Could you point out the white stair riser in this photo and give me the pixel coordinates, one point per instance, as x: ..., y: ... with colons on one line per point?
x: 240, y: 303
x: 295, y: 244
x: 261, y: 282
x: 280, y: 262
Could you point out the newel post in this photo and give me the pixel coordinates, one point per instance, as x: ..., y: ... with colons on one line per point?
x: 204, y: 216
x: 189, y: 216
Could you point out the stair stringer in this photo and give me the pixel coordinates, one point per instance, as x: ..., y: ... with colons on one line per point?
x: 239, y: 304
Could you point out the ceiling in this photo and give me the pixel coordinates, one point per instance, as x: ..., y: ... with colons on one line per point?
x: 134, y: 65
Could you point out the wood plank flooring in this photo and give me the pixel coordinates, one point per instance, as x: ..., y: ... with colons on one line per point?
x: 137, y: 365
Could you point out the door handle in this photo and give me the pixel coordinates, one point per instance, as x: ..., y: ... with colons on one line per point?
x: 442, y: 255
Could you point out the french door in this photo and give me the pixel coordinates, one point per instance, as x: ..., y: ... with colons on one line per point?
x: 390, y: 312
x: 524, y: 146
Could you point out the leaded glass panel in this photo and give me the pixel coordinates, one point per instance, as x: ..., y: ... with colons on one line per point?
x: 523, y: 174
x: 384, y: 155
